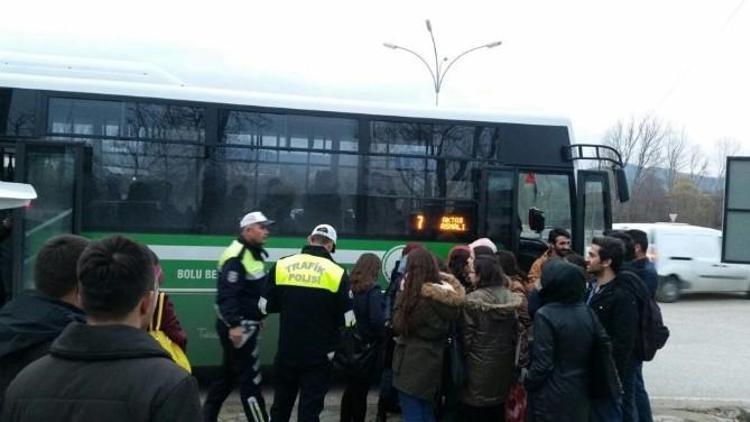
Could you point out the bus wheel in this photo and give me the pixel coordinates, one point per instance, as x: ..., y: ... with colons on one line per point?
x: 669, y: 289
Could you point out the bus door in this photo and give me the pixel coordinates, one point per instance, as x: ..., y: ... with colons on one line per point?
x: 55, y: 170
x: 592, y: 209
x: 497, y: 210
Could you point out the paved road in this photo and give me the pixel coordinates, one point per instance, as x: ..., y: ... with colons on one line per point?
x: 707, y: 357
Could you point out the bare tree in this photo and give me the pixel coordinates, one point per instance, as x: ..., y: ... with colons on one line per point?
x: 725, y: 147
x: 20, y: 124
x: 697, y: 164
x: 622, y: 137
x: 675, y: 148
x: 652, y: 133
x: 651, y: 203
x: 640, y: 141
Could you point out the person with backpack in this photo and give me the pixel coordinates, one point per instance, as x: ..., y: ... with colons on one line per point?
x: 641, y: 264
x: 367, y: 303
x: 617, y: 310
x: 652, y: 334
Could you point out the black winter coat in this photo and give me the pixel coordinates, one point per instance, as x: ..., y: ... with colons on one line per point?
x: 309, y: 319
x: 617, y: 309
x: 368, y: 308
x: 28, y: 325
x: 646, y: 270
x: 557, y: 380
x: 103, y: 373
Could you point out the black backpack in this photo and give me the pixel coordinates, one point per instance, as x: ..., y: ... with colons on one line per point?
x: 652, y: 333
x: 355, y: 355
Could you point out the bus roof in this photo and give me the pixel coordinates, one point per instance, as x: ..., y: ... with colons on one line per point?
x: 93, y: 76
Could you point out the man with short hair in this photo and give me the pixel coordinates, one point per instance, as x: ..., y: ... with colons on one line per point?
x: 558, y: 245
x: 30, y: 322
x: 242, y: 279
x: 310, y: 291
x: 617, y: 310
x: 642, y: 265
x: 645, y: 269
x: 110, y: 369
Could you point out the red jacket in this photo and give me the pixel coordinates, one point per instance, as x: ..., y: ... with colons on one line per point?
x: 171, y: 325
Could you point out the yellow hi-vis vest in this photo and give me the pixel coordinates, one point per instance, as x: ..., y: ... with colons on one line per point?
x: 254, y: 269
x: 303, y: 270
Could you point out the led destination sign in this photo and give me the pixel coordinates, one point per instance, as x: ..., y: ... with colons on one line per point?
x: 445, y: 223
x: 453, y: 223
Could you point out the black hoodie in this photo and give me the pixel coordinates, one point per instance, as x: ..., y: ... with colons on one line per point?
x: 28, y: 325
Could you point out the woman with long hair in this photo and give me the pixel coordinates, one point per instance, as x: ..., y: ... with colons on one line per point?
x: 510, y: 267
x: 458, y: 258
x: 489, y: 329
x: 426, y: 306
x: 368, y: 309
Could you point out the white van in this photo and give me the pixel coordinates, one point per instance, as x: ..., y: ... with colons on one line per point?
x: 688, y: 260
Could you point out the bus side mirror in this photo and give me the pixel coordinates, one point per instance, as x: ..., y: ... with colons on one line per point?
x: 536, y: 220
x: 621, y: 180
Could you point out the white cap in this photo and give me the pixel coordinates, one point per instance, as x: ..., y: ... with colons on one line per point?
x: 255, y: 217
x: 483, y: 242
x: 325, y: 230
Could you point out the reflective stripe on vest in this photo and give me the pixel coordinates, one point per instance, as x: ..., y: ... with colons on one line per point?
x: 254, y: 269
x: 310, y: 271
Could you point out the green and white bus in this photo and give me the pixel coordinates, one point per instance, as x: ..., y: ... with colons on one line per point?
x: 176, y: 167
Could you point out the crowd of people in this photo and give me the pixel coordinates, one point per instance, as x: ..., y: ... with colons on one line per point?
x: 468, y: 338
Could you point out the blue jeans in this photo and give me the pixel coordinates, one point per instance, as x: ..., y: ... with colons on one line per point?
x: 629, y: 412
x: 414, y: 409
x: 642, y: 403
x: 606, y: 410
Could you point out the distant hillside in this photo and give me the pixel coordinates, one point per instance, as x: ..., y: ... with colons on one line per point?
x: 707, y: 184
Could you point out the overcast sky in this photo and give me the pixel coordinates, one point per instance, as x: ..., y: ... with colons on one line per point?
x: 593, y: 61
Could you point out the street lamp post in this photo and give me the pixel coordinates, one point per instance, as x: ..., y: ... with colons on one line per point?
x: 438, y: 74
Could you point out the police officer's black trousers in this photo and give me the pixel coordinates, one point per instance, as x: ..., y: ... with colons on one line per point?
x: 239, y: 366
x: 311, y: 381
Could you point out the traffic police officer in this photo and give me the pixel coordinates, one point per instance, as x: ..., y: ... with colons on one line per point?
x: 311, y: 294
x: 240, y: 284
